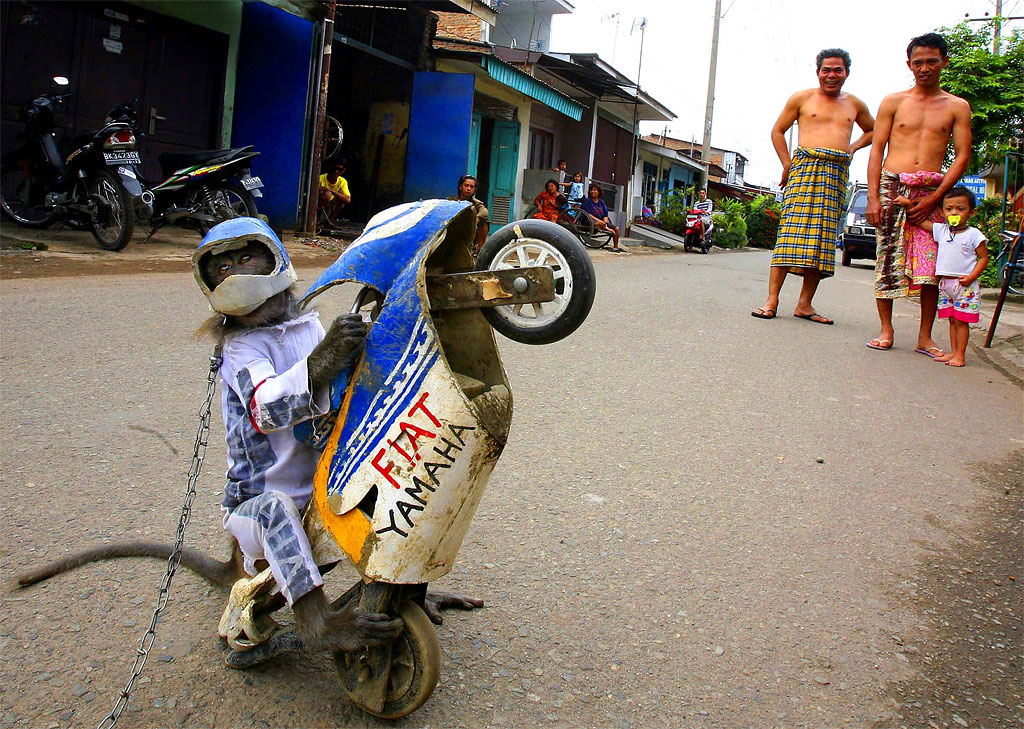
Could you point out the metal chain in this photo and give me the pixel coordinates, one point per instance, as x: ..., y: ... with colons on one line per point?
x: 198, y: 454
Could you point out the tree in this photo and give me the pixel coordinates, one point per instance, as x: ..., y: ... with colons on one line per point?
x: 993, y: 84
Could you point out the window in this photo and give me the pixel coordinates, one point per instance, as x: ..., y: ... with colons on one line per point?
x: 542, y: 145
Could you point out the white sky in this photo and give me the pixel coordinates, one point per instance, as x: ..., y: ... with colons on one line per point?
x: 766, y: 52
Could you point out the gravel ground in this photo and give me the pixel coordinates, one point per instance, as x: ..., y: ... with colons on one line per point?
x: 701, y: 520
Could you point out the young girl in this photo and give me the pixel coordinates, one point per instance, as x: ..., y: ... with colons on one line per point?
x: 576, y: 188
x: 962, y: 256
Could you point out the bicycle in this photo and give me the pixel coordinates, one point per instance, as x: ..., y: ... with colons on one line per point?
x: 582, y: 226
x: 1014, y: 272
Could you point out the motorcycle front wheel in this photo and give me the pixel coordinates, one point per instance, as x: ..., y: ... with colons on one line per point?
x: 527, y: 243
x: 414, y: 668
x: 20, y: 202
x: 227, y: 200
x: 113, y: 220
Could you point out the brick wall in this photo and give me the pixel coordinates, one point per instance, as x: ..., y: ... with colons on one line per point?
x: 459, y: 25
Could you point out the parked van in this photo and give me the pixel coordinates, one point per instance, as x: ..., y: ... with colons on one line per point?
x: 858, y: 237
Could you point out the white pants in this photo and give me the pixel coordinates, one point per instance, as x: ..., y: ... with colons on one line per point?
x: 269, y: 527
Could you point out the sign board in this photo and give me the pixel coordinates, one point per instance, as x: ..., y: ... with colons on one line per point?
x: 975, y: 184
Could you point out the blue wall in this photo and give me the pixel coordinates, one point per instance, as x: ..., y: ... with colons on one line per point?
x: 439, y: 125
x: 270, y: 104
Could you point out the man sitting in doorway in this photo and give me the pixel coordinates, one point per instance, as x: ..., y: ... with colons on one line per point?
x: 467, y: 190
x: 334, y: 194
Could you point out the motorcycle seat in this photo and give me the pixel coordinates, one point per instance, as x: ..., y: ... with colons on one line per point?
x: 171, y: 162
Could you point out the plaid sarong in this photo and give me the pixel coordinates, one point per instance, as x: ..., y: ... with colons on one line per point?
x: 905, y: 256
x: 811, y: 211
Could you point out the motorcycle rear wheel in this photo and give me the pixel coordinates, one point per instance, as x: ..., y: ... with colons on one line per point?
x: 15, y: 191
x: 113, y: 222
x: 415, y: 666
x: 230, y: 200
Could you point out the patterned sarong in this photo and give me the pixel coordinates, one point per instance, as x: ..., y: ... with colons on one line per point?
x: 905, y: 257
x: 811, y: 211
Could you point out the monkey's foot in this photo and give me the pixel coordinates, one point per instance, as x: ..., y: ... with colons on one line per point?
x: 283, y: 642
x: 435, y: 602
x: 243, y: 624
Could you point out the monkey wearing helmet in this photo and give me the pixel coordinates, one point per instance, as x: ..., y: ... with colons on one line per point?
x: 277, y: 363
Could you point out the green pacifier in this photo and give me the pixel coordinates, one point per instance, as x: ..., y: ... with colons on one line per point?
x: 954, y: 220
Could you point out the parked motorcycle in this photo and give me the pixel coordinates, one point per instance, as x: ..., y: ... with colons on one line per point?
x: 95, y: 187
x: 691, y: 234
x: 199, y: 189
x: 415, y: 432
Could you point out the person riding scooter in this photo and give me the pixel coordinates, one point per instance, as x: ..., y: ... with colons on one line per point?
x: 706, y: 207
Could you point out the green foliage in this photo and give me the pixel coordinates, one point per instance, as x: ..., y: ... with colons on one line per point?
x: 762, y: 216
x: 673, y: 210
x: 994, y: 86
x: 730, y: 224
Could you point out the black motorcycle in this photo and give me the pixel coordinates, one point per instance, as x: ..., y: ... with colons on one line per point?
x: 96, y: 186
x: 199, y: 189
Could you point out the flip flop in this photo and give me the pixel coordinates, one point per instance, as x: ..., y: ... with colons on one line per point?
x: 888, y: 344
x: 932, y: 352
x: 763, y: 313
x: 820, y: 320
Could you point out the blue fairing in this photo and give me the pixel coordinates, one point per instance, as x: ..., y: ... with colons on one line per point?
x: 401, y: 346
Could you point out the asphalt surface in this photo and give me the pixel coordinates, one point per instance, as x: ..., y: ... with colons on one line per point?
x: 701, y: 519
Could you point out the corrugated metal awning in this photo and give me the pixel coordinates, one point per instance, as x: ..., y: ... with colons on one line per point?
x: 526, y: 84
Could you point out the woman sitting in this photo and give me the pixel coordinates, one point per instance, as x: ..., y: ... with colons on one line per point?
x: 596, y: 208
x: 549, y: 203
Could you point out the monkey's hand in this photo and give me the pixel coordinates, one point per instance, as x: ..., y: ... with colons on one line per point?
x: 435, y: 602
x: 328, y: 358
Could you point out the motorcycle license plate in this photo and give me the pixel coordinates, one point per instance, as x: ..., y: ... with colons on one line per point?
x: 251, y: 183
x: 122, y: 158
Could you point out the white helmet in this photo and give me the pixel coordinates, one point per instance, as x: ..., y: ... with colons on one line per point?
x: 242, y: 293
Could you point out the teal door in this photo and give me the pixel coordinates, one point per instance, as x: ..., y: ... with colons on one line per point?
x: 474, y: 144
x: 504, y: 164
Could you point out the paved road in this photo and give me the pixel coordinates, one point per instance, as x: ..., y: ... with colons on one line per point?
x: 701, y: 520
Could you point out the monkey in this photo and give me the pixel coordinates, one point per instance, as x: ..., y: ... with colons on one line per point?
x: 245, y: 272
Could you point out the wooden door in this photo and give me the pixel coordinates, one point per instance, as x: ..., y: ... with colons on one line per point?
x: 504, y: 166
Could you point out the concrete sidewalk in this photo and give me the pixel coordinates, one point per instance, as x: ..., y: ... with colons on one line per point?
x: 1007, y: 350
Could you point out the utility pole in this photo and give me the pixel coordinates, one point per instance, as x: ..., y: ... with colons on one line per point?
x: 615, y: 38
x: 998, y: 27
x: 633, y: 158
x: 997, y: 24
x: 705, y: 155
x: 313, y: 190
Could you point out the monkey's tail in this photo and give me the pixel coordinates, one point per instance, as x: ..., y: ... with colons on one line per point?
x: 222, y: 574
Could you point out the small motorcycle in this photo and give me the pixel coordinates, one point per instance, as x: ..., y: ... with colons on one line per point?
x: 694, y: 223
x: 95, y: 187
x: 199, y: 189
x: 416, y: 429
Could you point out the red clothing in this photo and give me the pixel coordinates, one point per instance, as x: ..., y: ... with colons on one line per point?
x: 547, y: 206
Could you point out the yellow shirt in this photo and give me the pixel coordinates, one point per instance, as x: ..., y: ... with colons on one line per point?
x: 340, y: 186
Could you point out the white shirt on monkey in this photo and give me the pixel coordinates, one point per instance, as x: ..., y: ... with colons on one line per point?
x: 270, y: 473
x: 265, y: 393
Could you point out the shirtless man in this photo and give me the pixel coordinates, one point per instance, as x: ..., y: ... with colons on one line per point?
x: 916, y: 125
x: 815, y: 181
